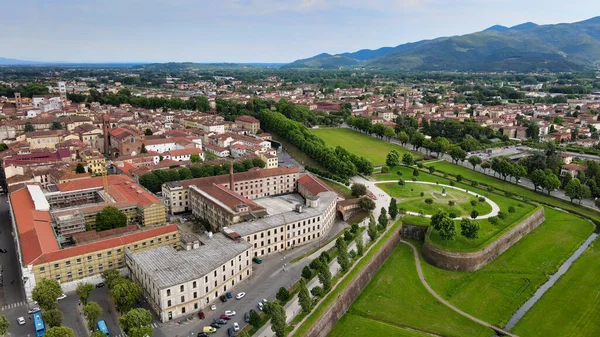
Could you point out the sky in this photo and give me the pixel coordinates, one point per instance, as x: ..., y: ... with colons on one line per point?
x: 250, y: 30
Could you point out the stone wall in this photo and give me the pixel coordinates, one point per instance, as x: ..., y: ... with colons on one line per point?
x: 414, y: 232
x: 471, y: 261
x: 345, y: 299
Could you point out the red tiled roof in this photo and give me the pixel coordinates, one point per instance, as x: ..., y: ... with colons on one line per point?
x: 313, y: 184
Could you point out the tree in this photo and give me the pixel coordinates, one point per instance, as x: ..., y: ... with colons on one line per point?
x: 4, y: 325
x: 151, y: 182
x: 537, y: 178
x: 56, y: 125
x: 360, y: 246
x: 195, y: 158
x: 52, y: 317
x: 283, y: 295
x: 29, y: 127
x: 46, y: 292
x: 485, y: 166
x: 358, y: 190
x: 92, y: 312
x: 278, y: 319
x: 469, y: 229
x: 551, y: 181
x: 372, y: 229
x: 392, y: 158
x: 393, y: 208
x: 135, y: 322
x: 518, y: 171
x: 143, y: 149
x: 112, y: 277
x: 110, y: 217
x: 366, y: 204
x: 474, y: 214
x: 60, y: 331
x: 440, y: 145
x: 572, y: 189
x: 306, y: 273
x: 441, y: 222
x: 148, y: 132
x: 255, y: 319
x: 124, y: 294
x: 325, y: 276
x: 474, y: 160
x: 304, y: 298
x: 383, y: 219
x: 407, y: 159
x: 342, y: 250
x: 389, y: 133
x: 84, y: 290
x: 98, y: 334
x: 402, y: 137
x: 79, y: 169
x: 457, y: 154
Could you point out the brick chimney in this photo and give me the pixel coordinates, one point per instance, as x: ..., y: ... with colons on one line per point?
x: 231, y: 182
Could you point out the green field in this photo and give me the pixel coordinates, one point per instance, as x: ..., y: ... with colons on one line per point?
x: 572, y: 306
x: 407, y: 174
x: 409, y: 197
x: 516, y: 189
x: 396, y: 298
x: 494, y: 292
x: 353, y: 325
x: 360, y: 144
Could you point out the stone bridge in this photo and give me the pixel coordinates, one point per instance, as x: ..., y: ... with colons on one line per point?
x: 348, y: 207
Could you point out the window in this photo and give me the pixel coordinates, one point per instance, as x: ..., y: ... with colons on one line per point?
x: 42, y: 269
x: 56, y: 265
x: 109, y: 253
x: 68, y: 263
x: 182, y: 299
x: 195, y: 294
x: 99, y: 255
x: 181, y: 288
x: 168, y: 303
x: 194, y: 284
x: 169, y: 292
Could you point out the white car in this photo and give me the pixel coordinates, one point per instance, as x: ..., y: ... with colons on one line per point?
x: 229, y: 312
x: 264, y: 301
x: 240, y: 295
x: 236, y: 327
x: 33, y: 310
x: 213, y: 307
x: 62, y: 297
x: 21, y: 321
x: 260, y: 306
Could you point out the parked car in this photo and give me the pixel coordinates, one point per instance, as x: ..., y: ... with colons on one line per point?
x: 228, y: 294
x: 240, y: 295
x: 100, y: 285
x: 213, y: 307
x: 227, y: 317
x: 33, y: 310
x: 201, y: 314
x: 256, y: 260
x: 236, y: 326
x: 260, y: 306
x: 2, y: 250
x: 202, y: 334
x: 215, y: 325
x: 220, y: 321
x: 230, y: 332
x: 247, y: 317
x: 21, y: 321
x: 209, y: 329
x: 223, y: 298
x: 229, y: 312
x: 264, y: 301
x: 62, y: 297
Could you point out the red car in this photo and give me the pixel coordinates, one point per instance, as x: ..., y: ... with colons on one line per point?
x: 227, y: 317
x: 201, y: 314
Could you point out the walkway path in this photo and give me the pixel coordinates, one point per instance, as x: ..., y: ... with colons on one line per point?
x: 446, y: 303
x: 493, y: 213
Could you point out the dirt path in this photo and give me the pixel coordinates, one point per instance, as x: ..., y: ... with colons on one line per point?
x: 446, y: 303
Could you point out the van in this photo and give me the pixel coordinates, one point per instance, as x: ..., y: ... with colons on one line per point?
x: 209, y: 329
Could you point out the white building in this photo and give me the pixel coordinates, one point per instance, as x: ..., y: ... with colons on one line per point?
x: 179, y: 283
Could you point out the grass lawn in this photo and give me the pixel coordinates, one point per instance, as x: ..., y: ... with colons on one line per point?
x: 496, y: 291
x: 516, y: 189
x: 360, y: 144
x: 572, y: 306
x: 409, y: 197
x: 340, y: 189
x: 352, y: 325
x: 407, y: 174
x: 396, y: 297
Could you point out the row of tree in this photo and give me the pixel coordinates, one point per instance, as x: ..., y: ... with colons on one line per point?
x: 338, y: 161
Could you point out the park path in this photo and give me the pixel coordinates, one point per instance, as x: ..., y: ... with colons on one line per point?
x: 446, y: 303
x: 493, y: 213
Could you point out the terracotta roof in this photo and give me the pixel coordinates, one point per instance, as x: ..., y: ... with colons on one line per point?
x: 230, y: 198
x: 247, y: 119
x: 313, y: 184
x: 184, y: 152
x: 240, y: 176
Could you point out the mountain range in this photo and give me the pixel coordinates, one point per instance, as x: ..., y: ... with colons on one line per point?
x: 526, y: 47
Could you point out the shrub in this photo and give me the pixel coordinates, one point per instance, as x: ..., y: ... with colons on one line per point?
x: 354, y: 228
x: 399, y: 173
x: 401, y: 182
x: 420, y: 165
x: 451, y: 203
x: 451, y: 183
x: 493, y: 221
x: 352, y: 254
x: 307, y: 273
x: 348, y: 236
x: 490, y: 189
x: 511, y: 209
x: 325, y: 257
x: 429, y: 201
x: 446, y: 175
x: 508, y: 194
x: 481, y: 199
x: 459, y: 178
x: 474, y: 183
x: 415, y: 172
x: 385, y: 169
x: 502, y: 215
x: 453, y: 215
x: 317, y: 291
x: 422, y: 194
x: 401, y: 211
x: 473, y: 203
x: 521, y: 205
x: 414, y: 178
x: 474, y: 214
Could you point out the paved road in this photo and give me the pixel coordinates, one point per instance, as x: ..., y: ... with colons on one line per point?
x: 443, y: 301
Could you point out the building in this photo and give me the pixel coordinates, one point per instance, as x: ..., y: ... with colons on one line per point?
x: 183, y: 154
x: 271, y: 160
x: 41, y: 256
x: 181, y: 282
x: 124, y: 142
x: 253, y: 184
x: 248, y: 123
x: 94, y: 161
